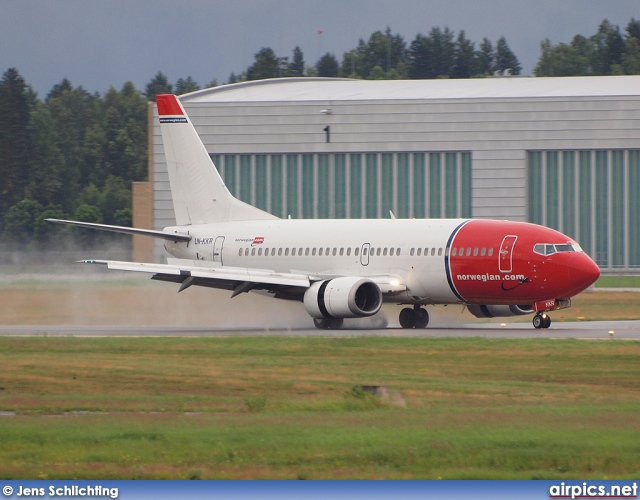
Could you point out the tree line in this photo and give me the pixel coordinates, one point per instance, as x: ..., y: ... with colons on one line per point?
x: 607, y: 52
x: 387, y: 56
x: 74, y: 154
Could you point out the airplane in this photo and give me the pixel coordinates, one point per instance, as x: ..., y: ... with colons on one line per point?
x: 347, y: 268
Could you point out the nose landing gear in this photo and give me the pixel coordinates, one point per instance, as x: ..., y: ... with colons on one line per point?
x: 414, y: 318
x: 541, y: 320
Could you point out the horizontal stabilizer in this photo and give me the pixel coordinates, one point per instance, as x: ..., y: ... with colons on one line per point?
x: 125, y: 230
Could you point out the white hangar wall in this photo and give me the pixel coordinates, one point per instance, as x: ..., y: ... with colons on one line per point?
x: 556, y: 151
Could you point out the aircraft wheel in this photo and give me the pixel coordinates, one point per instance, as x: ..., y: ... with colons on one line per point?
x: 408, y: 318
x: 328, y: 323
x: 321, y: 323
x: 336, y: 323
x: 541, y: 320
x: 422, y: 318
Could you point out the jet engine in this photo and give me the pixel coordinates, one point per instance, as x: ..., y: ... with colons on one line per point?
x: 499, y: 311
x: 347, y: 297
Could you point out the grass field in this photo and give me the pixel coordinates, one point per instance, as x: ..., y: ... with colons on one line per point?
x: 278, y: 407
x: 618, y: 281
x: 273, y: 407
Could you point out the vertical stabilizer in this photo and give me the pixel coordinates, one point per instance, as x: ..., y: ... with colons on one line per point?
x: 198, y: 192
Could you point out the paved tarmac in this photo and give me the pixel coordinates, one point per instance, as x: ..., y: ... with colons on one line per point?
x: 626, y: 330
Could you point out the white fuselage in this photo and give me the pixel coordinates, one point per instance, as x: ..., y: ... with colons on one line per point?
x: 411, y: 249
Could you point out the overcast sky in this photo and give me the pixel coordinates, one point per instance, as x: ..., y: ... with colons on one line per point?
x: 97, y: 44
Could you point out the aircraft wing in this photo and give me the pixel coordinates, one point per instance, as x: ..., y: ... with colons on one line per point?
x: 237, y: 279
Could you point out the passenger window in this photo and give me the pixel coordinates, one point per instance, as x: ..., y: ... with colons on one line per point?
x: 341, y: 252
x: 453, y: 252
x: 313, y: 252
x: 398, y: 251
x: 279, y: 252
x: 391, y: 250
x: 426, y: 252
x: 320, y: 252
x: 483, y: 252
x: 335, y: 250
x: 490, y: 253
x: 439, y: 252
x: 253, y: 252
x: 299, y: 252
x: 306, y: 252
x: 475, y: 252
x: 246, y: 252
x: 411, y: 252
x: 433, y: 252
x: 384, y: 252
x: 468, y: 251
x: 293, y: 252
x: 356, y: 252
x: 260, y: 252
x: 419, y: 252
x: 273, y: 251
x: 348, y: 251
x: 240, y: 252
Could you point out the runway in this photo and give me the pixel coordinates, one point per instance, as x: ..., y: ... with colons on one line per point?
x: 625, y: 330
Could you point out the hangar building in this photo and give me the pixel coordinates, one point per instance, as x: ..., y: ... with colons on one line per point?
x: 562, y: 152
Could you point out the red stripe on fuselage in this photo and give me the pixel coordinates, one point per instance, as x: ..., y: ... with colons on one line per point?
x: 168, y: 105
x: 493, y: 262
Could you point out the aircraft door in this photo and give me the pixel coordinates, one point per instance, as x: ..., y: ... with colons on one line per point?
x: 364, y: 254
x: 217, y: 249
x: 505, y: 256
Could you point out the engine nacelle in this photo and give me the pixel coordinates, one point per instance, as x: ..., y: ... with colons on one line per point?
x: 347, y: 297
x: 499, y: 311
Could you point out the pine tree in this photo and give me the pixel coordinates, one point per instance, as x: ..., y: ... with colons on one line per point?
x: 158, y: 85
x: 296, y: 67
x: 16, y: 102
x: 266, y: 65
x: 185, y: 86
x: 505, y: 59
x: 327, y: 66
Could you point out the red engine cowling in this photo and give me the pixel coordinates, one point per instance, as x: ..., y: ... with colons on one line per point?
x: 348, y: 297
x: 499, y: 311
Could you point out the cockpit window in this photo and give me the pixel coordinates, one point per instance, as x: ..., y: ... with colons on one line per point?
x: 564, y: 248
x: 550, y: 249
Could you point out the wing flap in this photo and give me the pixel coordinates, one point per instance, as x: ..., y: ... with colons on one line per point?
x: 222, y: 274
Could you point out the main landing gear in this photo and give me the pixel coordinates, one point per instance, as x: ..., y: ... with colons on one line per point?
x: 414, y: 318
x: 328, y: 323
x: 541, y: 320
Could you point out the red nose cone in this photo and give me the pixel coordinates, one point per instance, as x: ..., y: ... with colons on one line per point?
x: 582, y: 273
